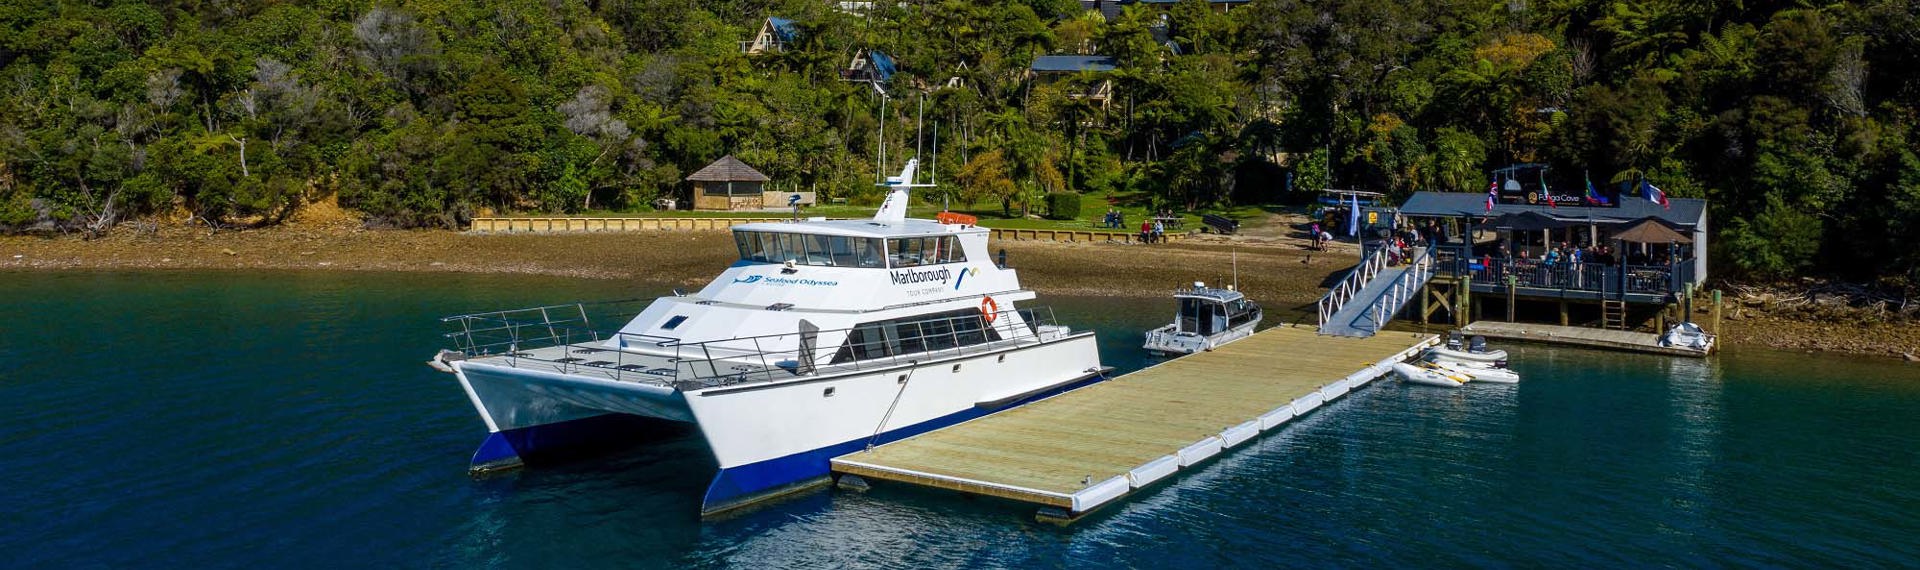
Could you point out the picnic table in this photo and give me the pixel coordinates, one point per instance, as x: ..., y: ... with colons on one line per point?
x: 1171, y: 222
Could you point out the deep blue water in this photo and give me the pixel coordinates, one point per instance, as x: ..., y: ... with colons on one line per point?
x: 286, y: 419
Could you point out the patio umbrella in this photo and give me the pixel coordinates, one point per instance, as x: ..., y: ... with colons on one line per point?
x: 1527, y: 222
x: 1650, y: 230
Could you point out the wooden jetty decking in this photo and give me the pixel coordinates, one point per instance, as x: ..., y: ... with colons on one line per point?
x: 1079, y: 450
x: 1578, y: 336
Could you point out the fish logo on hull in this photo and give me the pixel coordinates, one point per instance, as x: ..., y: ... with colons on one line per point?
x: 749, y: 279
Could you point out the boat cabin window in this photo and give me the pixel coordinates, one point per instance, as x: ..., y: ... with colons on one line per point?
x: 809, y: 249
x: 910, y: 335
x: 673, y: 322
x: 931, y: 250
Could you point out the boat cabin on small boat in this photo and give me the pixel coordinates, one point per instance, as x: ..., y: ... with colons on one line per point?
x: 1207, y: 317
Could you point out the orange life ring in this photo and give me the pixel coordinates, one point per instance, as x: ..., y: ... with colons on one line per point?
x: 989, y: 309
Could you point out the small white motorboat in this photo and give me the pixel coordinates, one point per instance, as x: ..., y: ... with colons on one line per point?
x: 1474, y: 352
x: 1479, y: 372
x: 1429, y: 376
x: 1208, y: 317
x: 1688, y: 335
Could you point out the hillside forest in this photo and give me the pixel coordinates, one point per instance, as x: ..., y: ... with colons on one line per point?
x: 1798, y: 120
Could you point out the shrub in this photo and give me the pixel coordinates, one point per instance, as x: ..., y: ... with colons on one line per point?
x: 1063, y: 205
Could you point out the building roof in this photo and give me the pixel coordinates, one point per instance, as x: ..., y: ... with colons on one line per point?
x: 784, y: 28
x: 1073, y: 63
x: 1685, y: 212
x: 728, y: 169
x: 1172, y: 2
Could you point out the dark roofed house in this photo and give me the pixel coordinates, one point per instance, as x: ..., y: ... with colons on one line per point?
x: 870, y: 66
x: 728, y: 184
x: 1048, y: 69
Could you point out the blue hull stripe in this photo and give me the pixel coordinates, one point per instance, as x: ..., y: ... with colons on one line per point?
x: 738, y: 485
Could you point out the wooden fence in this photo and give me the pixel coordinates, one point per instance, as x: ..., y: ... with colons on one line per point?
x: 583, y: 224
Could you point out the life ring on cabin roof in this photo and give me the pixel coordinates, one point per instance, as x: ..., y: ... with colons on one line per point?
x: 989, y: 309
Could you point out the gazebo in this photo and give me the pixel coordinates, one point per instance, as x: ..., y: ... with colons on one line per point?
x: 728, y: 184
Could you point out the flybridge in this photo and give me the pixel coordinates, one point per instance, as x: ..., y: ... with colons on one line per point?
x: 909, y: 276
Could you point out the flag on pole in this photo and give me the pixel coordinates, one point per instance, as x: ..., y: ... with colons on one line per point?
x: 1546, y: 192
x: 1593, y: 195
x: 1493, y: 193
x: 1353, y: 216
x: 1654, y: 194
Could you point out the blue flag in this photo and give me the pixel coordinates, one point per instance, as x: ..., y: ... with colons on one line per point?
x: 1353, y: 217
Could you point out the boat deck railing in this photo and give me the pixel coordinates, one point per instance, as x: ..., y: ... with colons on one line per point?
x: 531, y: 335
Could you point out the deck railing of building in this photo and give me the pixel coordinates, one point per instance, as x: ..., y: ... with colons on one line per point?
x: 1599, y: 278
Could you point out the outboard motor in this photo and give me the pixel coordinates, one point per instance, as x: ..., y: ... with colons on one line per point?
x: 1454, y: 339
x: 1478, y: 346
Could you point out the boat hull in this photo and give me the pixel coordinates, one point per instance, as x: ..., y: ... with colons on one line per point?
x: 1479, y: 373
x: 1163, y: 341
x: 1426, y: 377
x: 766, y: 438
x: 1444, y: 353
x: 772, y: 438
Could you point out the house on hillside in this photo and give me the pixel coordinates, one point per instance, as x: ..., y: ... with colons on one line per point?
x: 1049, y: 69
x: 871, y: 67
x: 1222, y: 6
x: 728, y: 184
x: 775, y: 34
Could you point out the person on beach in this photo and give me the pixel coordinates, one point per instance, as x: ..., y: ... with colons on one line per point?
x: 1314, y: 234
x: 1146, y: 231
x: 1159, y: 231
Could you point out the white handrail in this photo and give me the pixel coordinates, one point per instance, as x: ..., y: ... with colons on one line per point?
x: 1365, y: 271
x: 1397, y: 296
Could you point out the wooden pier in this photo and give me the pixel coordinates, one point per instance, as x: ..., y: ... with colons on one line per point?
x: 1077, y: 451
x: 1578, y: 336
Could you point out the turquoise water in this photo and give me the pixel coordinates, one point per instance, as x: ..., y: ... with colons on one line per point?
x: 286, y: 419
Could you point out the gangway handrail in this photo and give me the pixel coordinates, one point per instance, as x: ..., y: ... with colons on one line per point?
x: 1370, y: 265
x: 1397, y: 295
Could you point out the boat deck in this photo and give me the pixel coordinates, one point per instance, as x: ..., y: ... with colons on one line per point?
x: 1578, y: 336
x: 1076, y: 451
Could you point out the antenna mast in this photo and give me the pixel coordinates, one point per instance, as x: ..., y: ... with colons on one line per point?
x: 880, y: 170
x: 919, y: 123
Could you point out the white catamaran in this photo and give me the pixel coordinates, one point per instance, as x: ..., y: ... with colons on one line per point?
x: 825, y: 337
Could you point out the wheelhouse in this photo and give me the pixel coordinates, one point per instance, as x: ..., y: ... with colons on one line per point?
x: 1207, y: 311
x: 826, y: 250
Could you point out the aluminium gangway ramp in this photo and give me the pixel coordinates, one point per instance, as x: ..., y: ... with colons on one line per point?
x: 1076, y: 451
x: 1373, y: 293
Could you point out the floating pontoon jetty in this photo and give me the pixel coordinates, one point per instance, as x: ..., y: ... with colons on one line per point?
x: 1579, y: 336
x: 1077, y: 451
